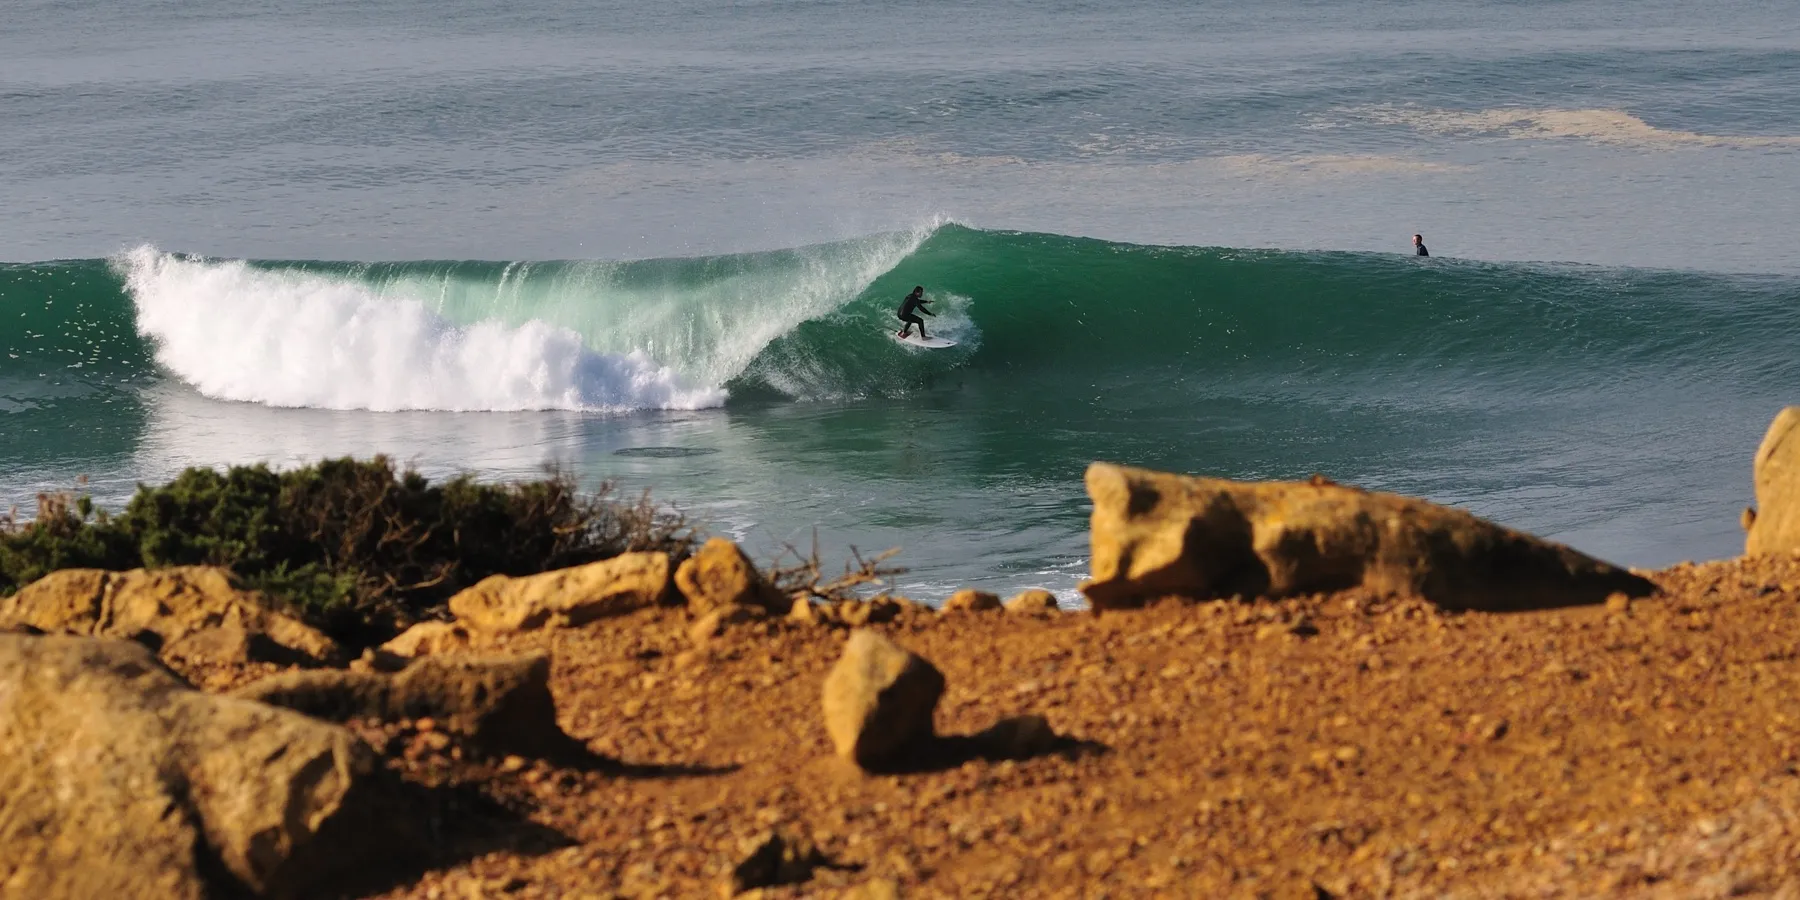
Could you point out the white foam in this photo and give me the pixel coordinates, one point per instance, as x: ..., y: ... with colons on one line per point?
x: 1601, y: 126
x: 295, y: 339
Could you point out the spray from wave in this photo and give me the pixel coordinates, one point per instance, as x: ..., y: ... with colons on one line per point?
x: 236, y: 332
x: 660, y: 334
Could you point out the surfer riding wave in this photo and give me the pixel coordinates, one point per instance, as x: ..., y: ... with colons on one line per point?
x: 914, y: 301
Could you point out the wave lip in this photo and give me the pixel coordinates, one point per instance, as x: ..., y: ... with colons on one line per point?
x: 299, y: 339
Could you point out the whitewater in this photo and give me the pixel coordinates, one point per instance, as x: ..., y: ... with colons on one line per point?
x: 397, y: 338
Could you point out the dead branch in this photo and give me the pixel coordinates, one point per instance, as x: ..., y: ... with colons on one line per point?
x: 806, y: 575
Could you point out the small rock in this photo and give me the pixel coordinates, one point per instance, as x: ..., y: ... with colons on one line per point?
x: 1034, y: 602
x: 868, y: 612
x: 714, y: 623
x: 720, y: 575
x: 1486, y: 729
x: 879, y: 698
x: 805, y: 611
x: 1618, y: 602
x: 430, y: 639
x: 375, y: 659
x: 971, y: 600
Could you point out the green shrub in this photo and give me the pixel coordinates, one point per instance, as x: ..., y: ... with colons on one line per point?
x: 67, y: 534
x: 349, y: 545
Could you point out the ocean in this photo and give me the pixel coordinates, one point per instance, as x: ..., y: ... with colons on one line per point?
x: 661, y: 245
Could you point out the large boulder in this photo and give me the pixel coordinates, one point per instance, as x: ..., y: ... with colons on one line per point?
x: 879, y: 699
x: 564, y: 597
x: 1774, y: 524
x: 119, y: 780
x: 502, y: 703
x: 721, y: 576
x: 1155, y: 534
x: 189, y: 606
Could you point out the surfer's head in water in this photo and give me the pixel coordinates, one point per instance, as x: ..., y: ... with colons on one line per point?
x: 914, y: 301
x: 1419, y: 246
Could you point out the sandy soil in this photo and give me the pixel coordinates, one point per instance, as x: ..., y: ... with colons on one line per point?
x: 1334, y: 746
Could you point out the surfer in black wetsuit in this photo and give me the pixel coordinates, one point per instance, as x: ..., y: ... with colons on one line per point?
x: 914, y: 301
x: 1419, y: 246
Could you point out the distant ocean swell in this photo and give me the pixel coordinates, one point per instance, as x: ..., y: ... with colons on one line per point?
x: 811, y: 323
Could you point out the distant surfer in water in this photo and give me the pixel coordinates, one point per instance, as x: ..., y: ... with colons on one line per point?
x: 1419, y: 246
x: 914, y: 301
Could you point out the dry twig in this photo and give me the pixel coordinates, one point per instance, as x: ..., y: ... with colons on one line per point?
x: 806, y: 576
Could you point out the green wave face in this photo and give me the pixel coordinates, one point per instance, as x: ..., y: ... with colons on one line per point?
x: 1060, y: 310
x: 1044, y: 314
x: 67, y: 333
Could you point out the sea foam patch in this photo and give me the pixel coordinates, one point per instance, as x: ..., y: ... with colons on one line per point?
x: 1601, y: 126
x: 287, y: 338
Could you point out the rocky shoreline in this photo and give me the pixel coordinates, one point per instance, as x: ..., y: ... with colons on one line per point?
x: 1277, y: 690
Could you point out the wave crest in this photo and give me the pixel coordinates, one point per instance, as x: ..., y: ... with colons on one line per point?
x: 288, y: 338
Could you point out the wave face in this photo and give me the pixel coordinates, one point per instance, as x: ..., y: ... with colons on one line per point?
x: 1069, y: 314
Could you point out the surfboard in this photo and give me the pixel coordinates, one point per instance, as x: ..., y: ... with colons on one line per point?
x: 936, y: 343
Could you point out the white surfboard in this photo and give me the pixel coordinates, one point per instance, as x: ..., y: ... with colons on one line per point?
x: 936, y: 343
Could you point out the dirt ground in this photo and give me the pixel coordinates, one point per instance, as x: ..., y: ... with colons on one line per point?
x: 1334, y: 746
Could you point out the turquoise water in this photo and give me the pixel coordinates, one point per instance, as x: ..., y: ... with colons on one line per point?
x: 1164, y: 234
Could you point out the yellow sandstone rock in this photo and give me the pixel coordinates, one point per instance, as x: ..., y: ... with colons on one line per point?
x: 1155, y: 534
x: 1034, y: 602
x: 720, y: 575
x: 970, y: 600
x: 878, y: 699
x: 564, y: 597
x: 176, y: 604
x: 119, y: 780
x: 430, y: 639
x: 1774, y: 526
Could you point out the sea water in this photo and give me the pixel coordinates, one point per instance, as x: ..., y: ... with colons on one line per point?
x: 659, y: 245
